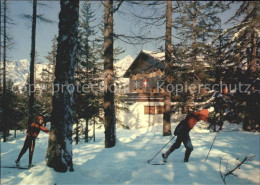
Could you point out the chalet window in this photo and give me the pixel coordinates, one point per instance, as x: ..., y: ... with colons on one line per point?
x: 159, y: 109
x: 149, y: 109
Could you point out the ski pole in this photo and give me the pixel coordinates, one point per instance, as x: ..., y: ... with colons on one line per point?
x: 211, y: 145
x: 160, y: 150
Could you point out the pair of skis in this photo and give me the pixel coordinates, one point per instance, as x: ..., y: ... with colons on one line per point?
x: 18, y: 167
x: 163, y: 163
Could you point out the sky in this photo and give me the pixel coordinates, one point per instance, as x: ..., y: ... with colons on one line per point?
x: 124, y: 22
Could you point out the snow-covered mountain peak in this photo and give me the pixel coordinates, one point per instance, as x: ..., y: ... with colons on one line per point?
x: 18, y: 71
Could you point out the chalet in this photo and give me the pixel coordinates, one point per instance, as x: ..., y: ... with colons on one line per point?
x: 145, y: 77
x: 145, y: 74
x: 146, y: 93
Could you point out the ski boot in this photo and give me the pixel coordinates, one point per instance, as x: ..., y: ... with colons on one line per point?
x: 187, y: 155
x: 17, y: 163
x: 165, y: 157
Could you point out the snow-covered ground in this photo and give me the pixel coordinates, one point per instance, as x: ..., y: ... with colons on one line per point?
x: 126, y: 163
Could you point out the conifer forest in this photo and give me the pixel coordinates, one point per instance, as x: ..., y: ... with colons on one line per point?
x: 129, y: 92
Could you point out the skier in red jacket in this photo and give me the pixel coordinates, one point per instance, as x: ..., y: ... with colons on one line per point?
x: 182, y: 132
x: 31, y: 134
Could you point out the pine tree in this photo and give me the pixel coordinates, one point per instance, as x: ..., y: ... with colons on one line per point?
x: 197, y: 23
x: 16, y: 111
x: 218, y: 55
x: 59, y: 154
x: 242, y: 51
x: 43, y: 97
x: 86, y: 69
x: 89, y: 70
x: 51, y: 57
x: 5, y: 126
x: 33, y: 18
x: 244, y: 36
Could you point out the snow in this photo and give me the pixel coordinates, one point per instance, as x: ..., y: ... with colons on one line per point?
x: 17, y: 71
x: 238, y: 33
x: 257, y: 32
x: 121, y: 67
x: 157, y: 55
x: 126, y: 163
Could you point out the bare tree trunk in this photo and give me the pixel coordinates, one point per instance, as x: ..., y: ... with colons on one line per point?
x: 4, y: 76
x: 0, y: 46
x: 33, y: 40
x: 77, y: 132
x: 94, y: 130
x: 194, y: 32
x: 87, y: 80
x: 109, y: 108
x: 86, y: 130
x: 59, y: 153
x: 168, y: 61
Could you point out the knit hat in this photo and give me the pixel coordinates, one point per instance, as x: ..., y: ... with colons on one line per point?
x: 38, y: 118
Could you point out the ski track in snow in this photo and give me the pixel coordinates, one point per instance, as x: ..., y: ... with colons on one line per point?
x: 126, y: 163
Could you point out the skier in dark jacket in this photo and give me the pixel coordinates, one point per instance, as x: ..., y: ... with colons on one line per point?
x: 31, y: 134
x: 182, y: 132
x: 222, y: 106
x: 225, y: 103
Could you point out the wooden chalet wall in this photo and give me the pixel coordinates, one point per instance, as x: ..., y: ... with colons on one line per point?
x: 145, y: 70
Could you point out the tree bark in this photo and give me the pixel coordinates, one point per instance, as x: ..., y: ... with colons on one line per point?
x: 31, y: 86
x: 86, y: 130
x: 194, y: 32
x: 59, y: 153
x: 109, y: 108
x: 4, y: 77
x: 0, y: 46
x: 168, y: 61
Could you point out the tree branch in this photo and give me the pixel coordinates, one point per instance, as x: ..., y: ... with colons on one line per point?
x: 223, y: 177
x: 117, y: 7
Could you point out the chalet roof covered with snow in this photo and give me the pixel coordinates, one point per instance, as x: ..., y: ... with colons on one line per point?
x: 155, y: 61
